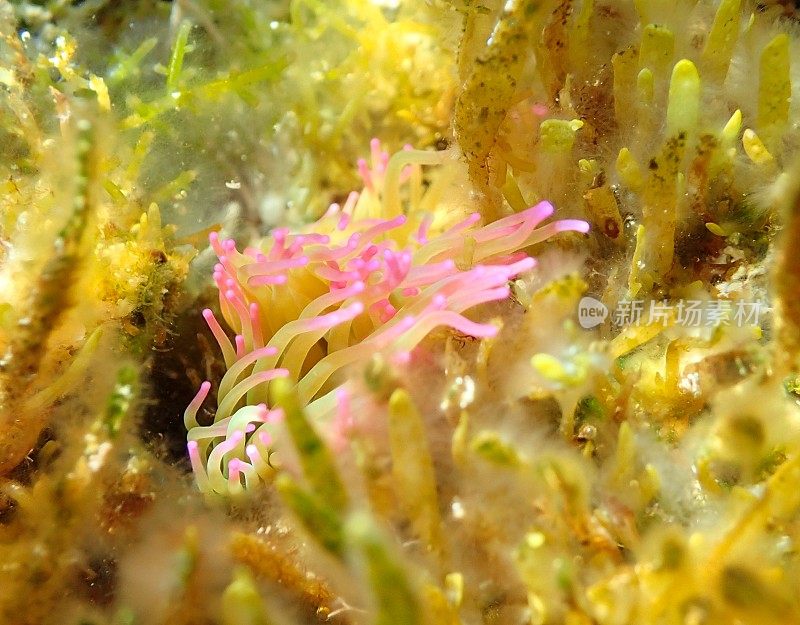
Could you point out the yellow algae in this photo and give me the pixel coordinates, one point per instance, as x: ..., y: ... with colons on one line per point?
x: 628, y: 170
x: 716, y: 229
x: 603, y: 210
x: 731, y: 130
x: 412, y: 469
x: 558, y: 135
x: 774, y: 88
x: 657, y: 48
x: 492, y: 81
x: 645, y: 85
x: 684, y: 98
x: 755, y: 149
x: 624, y: 64
x: 723, y: 37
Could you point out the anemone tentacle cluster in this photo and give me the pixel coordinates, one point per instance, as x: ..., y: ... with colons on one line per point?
x: 307, y: 305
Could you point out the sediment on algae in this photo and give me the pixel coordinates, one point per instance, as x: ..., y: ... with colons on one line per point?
x: 643, y: 470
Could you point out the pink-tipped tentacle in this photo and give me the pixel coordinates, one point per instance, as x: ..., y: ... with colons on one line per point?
x: 240, y: 345
x: 259, y: 461
x: 465, y: 301
x: 335, y: 253
x: 314, y: 380
x: 227, y: 404
x: 190, y: 414
x: 231, y: 377
x: 271, y: 272
x: 365, y: 174
x: 427, y: 274
x: 255, y: 325
x: 228, y: 353
x: 243, y: 314
x: 424, y: 227
x: 217, y: 456
x: 198, y: 466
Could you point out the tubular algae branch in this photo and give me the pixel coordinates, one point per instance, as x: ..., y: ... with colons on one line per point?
x: 786, y: 279
x: 489, y: 89
x: 25, y: 413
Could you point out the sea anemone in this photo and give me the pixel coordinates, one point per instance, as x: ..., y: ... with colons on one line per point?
x: 307, y: 305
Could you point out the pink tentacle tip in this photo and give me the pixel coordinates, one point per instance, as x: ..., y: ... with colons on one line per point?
x: 234, y: 439
x: 354, y: 309
x: 350, y: 202
x: 487, y: 332
x: 190, y: 414
x: 276, y: 280
x: 521, y: 266
x: 406, y: 323
x: 371, y: 250
x: 234, y: 468
x: 401, y: 358
x: 387, y: 313
x: 424, y: 226
x: 216, y: 243
x: 542, y: 210
x: 540, y: 110
x: 502, y: 292
x: 364, y: 173
x: 343, y: 423
x: 465, y: 223
x: 275, y: 415
x: 577, y: 225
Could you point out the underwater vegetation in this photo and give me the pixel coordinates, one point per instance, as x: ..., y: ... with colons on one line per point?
x: 541, y: 369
